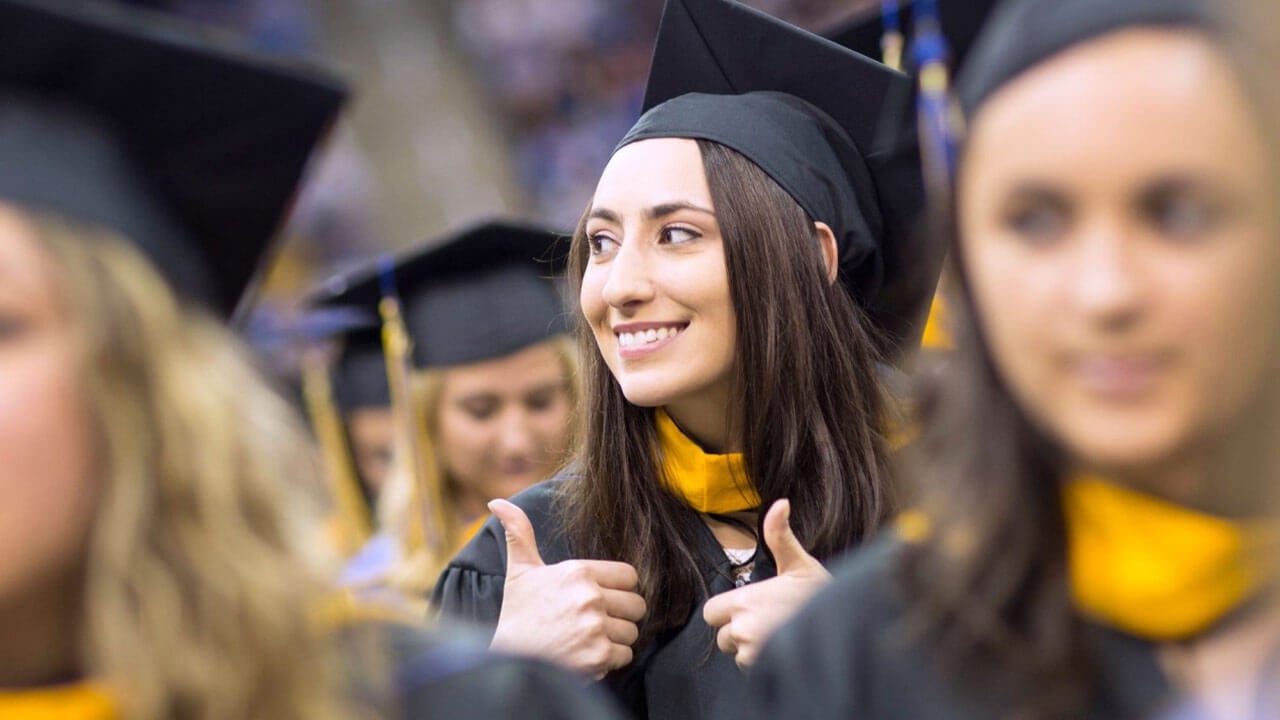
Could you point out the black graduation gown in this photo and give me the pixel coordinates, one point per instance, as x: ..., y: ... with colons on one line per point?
x: 845, y: 656
x: 448, y: 675
x: 680, y: 675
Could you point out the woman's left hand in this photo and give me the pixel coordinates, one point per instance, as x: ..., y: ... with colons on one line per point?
x: 747, y: 616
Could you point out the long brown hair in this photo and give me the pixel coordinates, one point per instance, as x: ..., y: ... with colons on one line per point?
x: 991, y: 577
x: 810, y: 414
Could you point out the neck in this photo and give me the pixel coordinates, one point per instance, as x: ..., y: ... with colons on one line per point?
x: 707, y: 424
x: 1221, y: 480
x: 41, y: 639
x: 470, y: 505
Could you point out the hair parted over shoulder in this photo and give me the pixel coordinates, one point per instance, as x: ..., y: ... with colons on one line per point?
x: 203, y: 584
x: 810, y: 413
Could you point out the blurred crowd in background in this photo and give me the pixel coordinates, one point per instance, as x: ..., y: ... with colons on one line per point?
x: 467, y: 108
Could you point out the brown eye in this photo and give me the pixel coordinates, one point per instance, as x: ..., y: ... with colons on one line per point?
x: 1039, y: 223
x: 481, y: 410
x: 11, y: 326
x: 1183, y: 217
x: 676, y: 235
x: 542, y: 400
x: 601, y: 244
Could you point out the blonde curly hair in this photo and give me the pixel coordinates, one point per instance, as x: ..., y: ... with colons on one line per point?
x: 204, y: 574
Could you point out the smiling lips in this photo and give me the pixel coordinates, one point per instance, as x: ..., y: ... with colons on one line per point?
x: 1119, y: 377
x: 638, y: 339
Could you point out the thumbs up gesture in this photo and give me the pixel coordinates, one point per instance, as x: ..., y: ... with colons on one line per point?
x: 747, y: 616
x: 582, y: 614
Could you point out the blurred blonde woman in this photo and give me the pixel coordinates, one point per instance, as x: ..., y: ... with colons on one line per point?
x: 493, y: 388
x: 157, y: 501
x: 470, y: 454
x: 155, y: 554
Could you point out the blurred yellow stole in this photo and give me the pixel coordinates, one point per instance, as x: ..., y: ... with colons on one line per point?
x: 1158, y: 570
x: 706, y: 482
x: 79, y: 701
x: 1149, y: 567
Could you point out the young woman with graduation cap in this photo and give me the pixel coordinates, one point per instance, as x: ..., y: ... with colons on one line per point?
x: 152, y: 490
x: 1096, y: 535
x: 745, y: 263
x: 494, y: 384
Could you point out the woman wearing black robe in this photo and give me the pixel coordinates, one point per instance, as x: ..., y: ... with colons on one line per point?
x: 744, y: 265
x: 1096, y: 532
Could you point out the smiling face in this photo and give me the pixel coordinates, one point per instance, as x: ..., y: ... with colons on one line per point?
x: 655, y: 291
x: 1116, y: 236
x: 504, y: 423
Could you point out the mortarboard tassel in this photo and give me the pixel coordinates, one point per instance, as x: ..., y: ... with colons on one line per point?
x: 893, y: 41
x: 353, y: 515
x: 431, y: 528
x: 941, y: 126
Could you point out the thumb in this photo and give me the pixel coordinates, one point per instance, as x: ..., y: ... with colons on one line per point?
x: 522, y: 546
x: 787, y: 551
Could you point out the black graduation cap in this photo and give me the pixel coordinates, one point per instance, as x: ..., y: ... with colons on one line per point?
x: 184, y: 143
x: 481, y: 293
x: 960, y: 21
x: 806, y: 111
x: 1022, y: 33
x: 360, y: 374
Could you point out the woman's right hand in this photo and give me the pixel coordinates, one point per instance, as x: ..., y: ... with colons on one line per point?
x: 582, y: 614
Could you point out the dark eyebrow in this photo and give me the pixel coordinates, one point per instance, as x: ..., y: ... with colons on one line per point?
x: 1036, y: 191
x: 604, y: 214
x: 657, y: 212
x: 660, y: 211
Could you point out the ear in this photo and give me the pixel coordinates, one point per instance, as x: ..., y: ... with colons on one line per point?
x: 830, y: 253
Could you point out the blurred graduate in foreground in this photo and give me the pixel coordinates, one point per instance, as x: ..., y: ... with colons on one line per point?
x: 155, y: 524
x: 1096, y: 535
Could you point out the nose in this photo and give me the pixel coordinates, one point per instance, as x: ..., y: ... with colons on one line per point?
x: 515, y: 434
x: 1108, y: 284
x: 628, y: 284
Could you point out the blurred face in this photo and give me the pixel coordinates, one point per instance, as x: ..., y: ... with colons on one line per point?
x: 504, y: 423
x: 656, y: 288
x: 46, y: 490
x: 373, y: 444
x: 1116, y: 233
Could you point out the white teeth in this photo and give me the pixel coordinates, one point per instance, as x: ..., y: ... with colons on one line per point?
x: 645, y: 337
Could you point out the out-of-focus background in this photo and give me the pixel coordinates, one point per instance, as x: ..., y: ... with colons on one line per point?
x: 463, y: 108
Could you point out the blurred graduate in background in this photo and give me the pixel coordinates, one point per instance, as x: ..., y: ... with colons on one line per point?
x: 491, y: 394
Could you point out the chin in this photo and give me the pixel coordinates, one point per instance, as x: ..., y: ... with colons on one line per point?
x: 509, y: 486
x: 1117, y: 447
x: 641, y: 393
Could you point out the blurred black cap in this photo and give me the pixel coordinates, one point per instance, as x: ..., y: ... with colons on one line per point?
x: 478, y: 294
x: 183, y: 142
